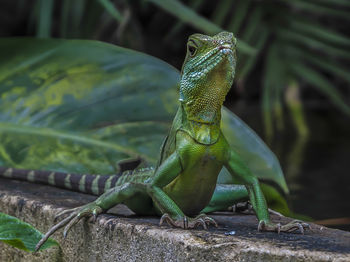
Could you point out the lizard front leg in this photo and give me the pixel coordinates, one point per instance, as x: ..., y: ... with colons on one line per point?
x: 112, y: 197
x: 240, y: 171
x: 172, y: 214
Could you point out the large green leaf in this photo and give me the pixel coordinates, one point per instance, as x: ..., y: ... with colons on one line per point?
x: 101, y: 103
x: 20, y: 234
x: 257, y: 155
x: 80, y: 106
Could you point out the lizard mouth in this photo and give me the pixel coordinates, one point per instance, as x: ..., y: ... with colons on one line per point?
x: 225, y: 49
x: 213, y: 57
x: 210, y: 60
x: 225, y: 46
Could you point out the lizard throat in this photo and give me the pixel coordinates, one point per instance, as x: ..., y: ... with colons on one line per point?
x: 203, y: 132
x: 204, y: 109
x: 204, y: 101
x: 204, y: 85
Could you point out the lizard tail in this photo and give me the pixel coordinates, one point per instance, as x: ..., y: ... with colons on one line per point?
x: 90, y: 184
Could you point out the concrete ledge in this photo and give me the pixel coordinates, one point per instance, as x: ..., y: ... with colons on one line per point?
x: 127, y: 237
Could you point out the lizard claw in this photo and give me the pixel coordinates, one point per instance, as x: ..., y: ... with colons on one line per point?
x: 208, y: 220
x: 95, y: 213
x: 241, y: 207
x: 261, y: 225
x: 246, y: 207
x: 290, y: 227
x: 187, y: 222
x: 301, y: 228
x: 70, y: 224
x: 200, y: 221
x: 65, y: 212
x: 75, y: 215
x: 164, y: 217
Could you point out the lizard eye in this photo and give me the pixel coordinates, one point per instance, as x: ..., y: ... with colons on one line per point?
x: 191, y: 49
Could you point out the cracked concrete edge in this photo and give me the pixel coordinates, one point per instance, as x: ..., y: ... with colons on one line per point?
x: 119, y: 239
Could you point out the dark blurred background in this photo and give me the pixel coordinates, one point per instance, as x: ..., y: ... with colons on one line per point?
x: 292, y: 84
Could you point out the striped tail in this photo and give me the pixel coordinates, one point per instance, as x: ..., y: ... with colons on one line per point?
x: 90, y: 184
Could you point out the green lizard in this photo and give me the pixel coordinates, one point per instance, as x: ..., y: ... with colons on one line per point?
x: 182, y: 187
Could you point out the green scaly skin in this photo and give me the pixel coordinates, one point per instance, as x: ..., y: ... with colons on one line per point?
x: 182, y: 186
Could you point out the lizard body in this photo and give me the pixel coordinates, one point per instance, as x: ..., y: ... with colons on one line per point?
x: 183, y: 184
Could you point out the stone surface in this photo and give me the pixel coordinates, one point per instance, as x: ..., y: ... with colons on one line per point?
x: 127, y: 237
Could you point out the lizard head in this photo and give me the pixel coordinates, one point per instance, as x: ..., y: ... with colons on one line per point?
x: 207, y: 75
